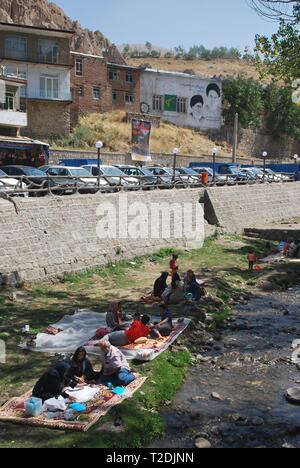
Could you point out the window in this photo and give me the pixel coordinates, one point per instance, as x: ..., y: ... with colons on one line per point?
x: 49, y: 86
x: 18, y: 73
x: 48, y: 51
x: 157, y: 103
x: 129, y: 77
x: 79, y: 67
x: 129, y: 98
x: 181, y: 105
x: 23, y: 91
x: 9, y: 101
x: 114, y: 96
x: 96, y: 93
x: 113, y: 75
x: 81, y: 91
x: 16, y: 47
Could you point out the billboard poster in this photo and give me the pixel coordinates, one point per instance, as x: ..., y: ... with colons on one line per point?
x: 170, y: 103
x: 141, y: 132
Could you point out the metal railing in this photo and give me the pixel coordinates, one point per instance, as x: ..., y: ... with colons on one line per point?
x: 36, y: 186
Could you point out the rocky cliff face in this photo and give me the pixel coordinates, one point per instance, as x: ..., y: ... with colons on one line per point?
x: 48, y: 15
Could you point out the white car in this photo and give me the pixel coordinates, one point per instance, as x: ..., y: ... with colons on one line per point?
x: 10, y: 185
x: 114, y: 176
x: 81, y: 175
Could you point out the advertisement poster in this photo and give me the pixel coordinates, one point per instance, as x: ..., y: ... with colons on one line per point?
x: 141, y: 132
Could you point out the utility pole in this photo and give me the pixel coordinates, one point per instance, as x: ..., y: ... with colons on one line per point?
x: 235, y: 137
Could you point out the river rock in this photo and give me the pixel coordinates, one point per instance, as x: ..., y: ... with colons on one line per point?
x: 217, y: 397
x: 256, y: 421
x: 201, y: 443
x: 293, y: 395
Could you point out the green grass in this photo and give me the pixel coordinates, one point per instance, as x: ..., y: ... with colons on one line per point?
x: 223, y: 265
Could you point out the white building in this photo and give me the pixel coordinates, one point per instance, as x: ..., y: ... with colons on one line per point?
x: 12, y: 117
x: 182, y: 99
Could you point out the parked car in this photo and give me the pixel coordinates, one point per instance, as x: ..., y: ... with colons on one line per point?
x: 236, y: 172
x: 75, y: 177
x: 277, y: 177
x: 220, y: 179
x: 166, y: 175
x: 143, y: 175
x: 33, y: 178
x: 114, y: 176
x: 257, y: 173
x: 190, y: 176
x: 10, y: 185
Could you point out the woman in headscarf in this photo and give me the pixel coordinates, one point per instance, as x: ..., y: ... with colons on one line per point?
x: 53, y: 383
x: 115, y: 317
x: 159, y: 288
x: 81, y: 370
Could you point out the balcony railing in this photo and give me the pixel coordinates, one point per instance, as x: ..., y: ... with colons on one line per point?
x: 61, y: 96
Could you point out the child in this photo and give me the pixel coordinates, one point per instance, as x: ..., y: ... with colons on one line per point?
x: 174, y: 264
x: 251, y: 259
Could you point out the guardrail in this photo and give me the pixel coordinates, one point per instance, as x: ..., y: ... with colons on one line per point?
x: 36, y: 186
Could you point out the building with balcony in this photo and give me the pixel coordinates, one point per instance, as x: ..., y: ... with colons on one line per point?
x: 13, y: 116
x: 41, y: 57
x: 102, y: 86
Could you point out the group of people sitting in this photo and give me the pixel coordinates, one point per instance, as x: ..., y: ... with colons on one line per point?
x: 178, y: 290
x: 78, y: 372
x: 292, y: 249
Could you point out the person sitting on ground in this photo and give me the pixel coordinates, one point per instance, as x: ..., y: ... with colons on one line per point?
x: 160, y: 286
x: 165, y: 326
x: 115, y: 318
x: 294, y: 249
x: 175, y: 292
x: 53, y: 382
x: 174, y: 263
x: 139, y: 329
x: 115, y: 368
x: 81, y: 370
x: 194, y: 288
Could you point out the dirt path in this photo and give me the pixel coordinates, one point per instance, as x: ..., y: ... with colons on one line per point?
x: 251, y: 374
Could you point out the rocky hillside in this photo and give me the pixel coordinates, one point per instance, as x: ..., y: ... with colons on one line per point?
x: 48, y: 15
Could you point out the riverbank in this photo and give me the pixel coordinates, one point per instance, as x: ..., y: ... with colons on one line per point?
x: 222, y: 263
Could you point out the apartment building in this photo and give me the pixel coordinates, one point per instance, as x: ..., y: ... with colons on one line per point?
x: 41, y: 57
x: 13, y: 117
x: 101, y: 86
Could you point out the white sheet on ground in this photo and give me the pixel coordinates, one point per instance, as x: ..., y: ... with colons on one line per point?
x: 83, y: 395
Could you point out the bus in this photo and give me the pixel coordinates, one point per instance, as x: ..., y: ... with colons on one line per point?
x: 23, y: 151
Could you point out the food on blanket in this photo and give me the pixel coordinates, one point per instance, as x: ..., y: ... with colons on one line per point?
x: 142, y: 340
x: 52, y: 331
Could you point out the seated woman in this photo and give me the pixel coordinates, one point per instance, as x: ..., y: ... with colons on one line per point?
x: 175, y: 293
x: 139, y: 329
x: 159, y: 288
x: 115, y: 318
x: 81, y: 370
x: 53, y: 383
x: 165, y: 326
x: 194, y: 288
x: 115, y: 368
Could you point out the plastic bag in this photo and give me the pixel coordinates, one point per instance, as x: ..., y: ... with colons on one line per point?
x: 56, y: 404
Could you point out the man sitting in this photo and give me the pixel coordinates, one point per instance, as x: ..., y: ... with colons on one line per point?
x: 115, y: 369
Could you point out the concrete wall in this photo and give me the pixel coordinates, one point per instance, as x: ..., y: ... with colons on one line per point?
x: 239, y: 207
x: 46, y: 119
x: 52, y: 236
x: 203, y: 108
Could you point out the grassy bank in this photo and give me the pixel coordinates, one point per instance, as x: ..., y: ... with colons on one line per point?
x: 222, y: 263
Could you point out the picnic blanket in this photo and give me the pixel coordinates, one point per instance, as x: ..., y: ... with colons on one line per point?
x: 104, y: 400
x: 80, y: 329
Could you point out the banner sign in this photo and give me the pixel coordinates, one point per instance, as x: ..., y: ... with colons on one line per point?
x: 141, y: 132
x: 170, y: 103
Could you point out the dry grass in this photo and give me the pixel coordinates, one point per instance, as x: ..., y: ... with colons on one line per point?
x: 115, y: 132
x: 206, y: 68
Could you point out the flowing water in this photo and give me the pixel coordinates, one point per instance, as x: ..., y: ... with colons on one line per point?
x: 251, y: 374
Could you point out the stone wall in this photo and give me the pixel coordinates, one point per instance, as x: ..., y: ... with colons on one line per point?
x: 239, y: 207
x: 123, y: 158
x: 53, y: 236
x: 46, y: 119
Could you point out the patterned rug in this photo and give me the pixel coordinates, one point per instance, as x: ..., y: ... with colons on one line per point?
x: 13, y: 411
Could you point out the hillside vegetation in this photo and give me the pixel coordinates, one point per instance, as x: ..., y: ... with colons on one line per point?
x: 115, y: 133
x: 207, y: 68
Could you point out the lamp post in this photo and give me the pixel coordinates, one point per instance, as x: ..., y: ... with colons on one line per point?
x: 296, y: 158
x: 99, y: 145
x: 214, y: 154
x: 264, y: 155
x: 175, y: 153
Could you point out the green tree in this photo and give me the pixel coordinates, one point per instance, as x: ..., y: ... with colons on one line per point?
x: 148, y: 46
x: 279, y: 56
x: 245, y: 98
x: 282, y: 116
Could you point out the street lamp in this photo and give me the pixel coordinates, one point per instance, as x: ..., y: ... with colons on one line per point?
x: 214, y: 153
x: 296, y: 158
x: 175, y: 153
x: 99, y: 145
x: 264, y: 155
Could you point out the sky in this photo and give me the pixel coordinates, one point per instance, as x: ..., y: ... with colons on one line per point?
x: 169, y: 23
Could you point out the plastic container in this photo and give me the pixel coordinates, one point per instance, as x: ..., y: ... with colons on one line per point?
x: 69, y: 415
x: 33, y: 407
